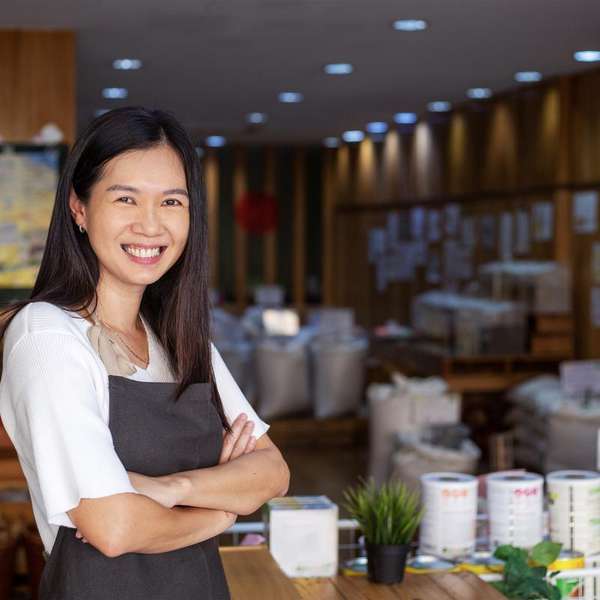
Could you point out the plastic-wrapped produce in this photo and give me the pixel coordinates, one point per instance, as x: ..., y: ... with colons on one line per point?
x: 471, y: 326
x: 338, y: 364
x: 541, y: 286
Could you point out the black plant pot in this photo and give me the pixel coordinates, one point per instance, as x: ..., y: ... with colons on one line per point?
x: 386, y: 562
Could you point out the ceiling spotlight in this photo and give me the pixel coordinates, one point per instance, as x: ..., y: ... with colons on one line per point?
x: 127, y: 64
x: 439, y: 106
x: 528, y: 76
x: 331, y: 142
x: 290, y: 97
x: 114, y: 93
x: 354, y: 135
x: 377, y: 127
x: 410, y: 25
x: 338, y: 69
x: 405, y: 118
x: 479, y: 93
x: 256, y: 118
x: 587, y: 55
x: 215, y: 141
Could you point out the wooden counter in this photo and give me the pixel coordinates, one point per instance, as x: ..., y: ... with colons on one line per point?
x: 253, y: 574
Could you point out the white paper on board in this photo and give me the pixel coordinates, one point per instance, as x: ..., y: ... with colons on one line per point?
x: 543, y: 221
x: 452, y: 219
x: 585, y: 212
x: 522, y: 235
x: 506, y: 236
x: 417, y: 222
x: 595, y: 306
x: 376, y: 243
x: 434, y: 220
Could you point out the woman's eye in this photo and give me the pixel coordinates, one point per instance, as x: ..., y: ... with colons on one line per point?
x: 125, y: 198
x: 172, y: 200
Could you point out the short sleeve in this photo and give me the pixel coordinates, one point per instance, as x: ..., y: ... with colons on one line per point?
x: 53, y: 383
x: 232, y: 397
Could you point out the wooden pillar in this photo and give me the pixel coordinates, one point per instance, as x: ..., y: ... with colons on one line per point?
x: 37, y: 83
x: 270, y: 239
x: 240, y: 242
x: 299, y: 230
x: 211, y: 177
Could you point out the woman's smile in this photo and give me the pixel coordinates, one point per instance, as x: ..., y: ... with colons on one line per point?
x: 143, y: 254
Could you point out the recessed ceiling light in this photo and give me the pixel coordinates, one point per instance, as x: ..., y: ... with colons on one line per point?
x: 115, y: 92
x: 338, y: 69
x: 127, y: 64
x: 354, y: 135
x: 405, y: 118
x: 290, y: 97
x: 215, y: 141
x: 439, y: 106
x: 256, y: 118
x: 377, y: 127
x: 479, y: 93
x: 331, y: 142
x: 587, y: 55
x: 410, y: 25
x: 527, y: 76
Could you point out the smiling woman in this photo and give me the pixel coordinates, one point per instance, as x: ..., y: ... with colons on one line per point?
x: 138, y: 446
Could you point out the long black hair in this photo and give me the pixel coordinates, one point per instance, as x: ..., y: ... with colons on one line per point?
x: 177, y: 305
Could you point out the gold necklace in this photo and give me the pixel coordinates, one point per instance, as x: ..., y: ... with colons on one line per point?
x: 142, y: 360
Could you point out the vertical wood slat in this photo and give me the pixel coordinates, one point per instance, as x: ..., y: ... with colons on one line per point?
x: 240, y: 242
x: 211, y: 177
x: 270, y: 238
x: 299, y: 230
x: 328, y: 235
x: 37, y: 83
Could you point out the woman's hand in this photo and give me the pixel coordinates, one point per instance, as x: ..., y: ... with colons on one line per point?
x: 239, y: 441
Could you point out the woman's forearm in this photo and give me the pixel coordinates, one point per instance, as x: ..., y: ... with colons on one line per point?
x: 240, y: 486
x: 124, y: 523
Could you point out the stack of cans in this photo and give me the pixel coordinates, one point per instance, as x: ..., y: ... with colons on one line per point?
x: 515, y: 506
x: 450, y: 512
x: 574, y: 509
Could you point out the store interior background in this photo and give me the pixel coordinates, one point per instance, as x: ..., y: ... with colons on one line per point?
x: 213, y: 63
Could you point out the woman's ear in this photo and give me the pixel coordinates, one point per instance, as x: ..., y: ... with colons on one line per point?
x: 77, y: 208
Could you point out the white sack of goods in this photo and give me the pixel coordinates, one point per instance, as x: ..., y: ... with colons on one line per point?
x: 405, y: 407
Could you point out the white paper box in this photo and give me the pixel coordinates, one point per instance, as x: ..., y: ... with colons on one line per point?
x: 303, y: 535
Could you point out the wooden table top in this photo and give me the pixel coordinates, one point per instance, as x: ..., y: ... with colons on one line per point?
x: 252, y: 573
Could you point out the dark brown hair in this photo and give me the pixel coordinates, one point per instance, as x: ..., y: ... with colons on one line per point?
x: 177, y: 305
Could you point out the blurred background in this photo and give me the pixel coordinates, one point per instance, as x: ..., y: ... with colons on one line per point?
x: 402, y: 203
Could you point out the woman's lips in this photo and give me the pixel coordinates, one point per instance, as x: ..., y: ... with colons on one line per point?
x: 145, y: 260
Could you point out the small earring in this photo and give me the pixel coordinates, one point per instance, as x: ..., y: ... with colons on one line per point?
x: 81, y: 229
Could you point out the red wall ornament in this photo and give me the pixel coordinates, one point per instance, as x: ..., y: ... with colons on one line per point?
x: 256, y: 212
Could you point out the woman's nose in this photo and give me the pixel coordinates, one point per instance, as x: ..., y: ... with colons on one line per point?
x: 148, y: 221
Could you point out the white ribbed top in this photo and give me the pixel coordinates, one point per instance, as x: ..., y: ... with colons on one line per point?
x: 54, y: 404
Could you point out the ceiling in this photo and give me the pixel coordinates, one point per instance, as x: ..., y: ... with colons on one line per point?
x: 213, y: 61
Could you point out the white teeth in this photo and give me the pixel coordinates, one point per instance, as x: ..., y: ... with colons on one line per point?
x: 142, y: 252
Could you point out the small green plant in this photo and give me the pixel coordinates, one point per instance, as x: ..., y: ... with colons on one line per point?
x: 389, y: 514
x: 525, y: 573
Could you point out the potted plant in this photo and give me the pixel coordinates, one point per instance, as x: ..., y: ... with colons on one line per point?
x: 388, y: 517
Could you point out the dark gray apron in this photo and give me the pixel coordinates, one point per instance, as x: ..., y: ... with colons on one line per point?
x: 152, y: 435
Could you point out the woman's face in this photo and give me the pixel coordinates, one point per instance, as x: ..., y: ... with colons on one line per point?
x: 137, y: 218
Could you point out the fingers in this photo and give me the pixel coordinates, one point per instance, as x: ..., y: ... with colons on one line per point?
x: 242, y: 441
x: 251, y: 445
x: 80, y: 536
x: 231, y: 437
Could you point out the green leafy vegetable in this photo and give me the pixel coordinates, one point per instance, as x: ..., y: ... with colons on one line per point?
x: 389, y: 514
x: 525, y: 573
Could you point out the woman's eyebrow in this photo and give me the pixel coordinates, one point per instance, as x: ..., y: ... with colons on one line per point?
x: 129, y: 188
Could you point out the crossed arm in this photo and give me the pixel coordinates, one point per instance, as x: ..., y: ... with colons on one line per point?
x: 185, y: 508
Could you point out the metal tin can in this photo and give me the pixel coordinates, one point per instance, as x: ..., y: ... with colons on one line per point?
x: 569, y: 587
x: 426, y: 563
x: 481, y: 562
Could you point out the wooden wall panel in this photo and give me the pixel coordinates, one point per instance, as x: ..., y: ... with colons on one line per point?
x: 240, y: 186
x: 211, y: 178
x: 37, y: 83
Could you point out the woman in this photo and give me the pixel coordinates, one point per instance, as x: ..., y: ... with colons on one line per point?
x: 137, y: 445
